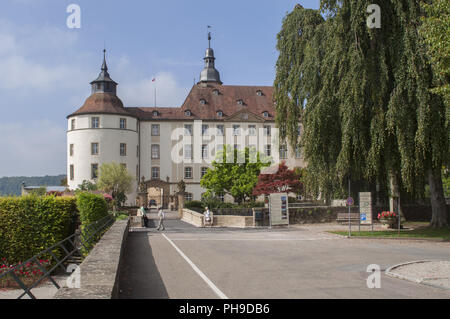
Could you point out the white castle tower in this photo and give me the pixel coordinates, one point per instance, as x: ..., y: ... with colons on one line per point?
x: 101, y: 131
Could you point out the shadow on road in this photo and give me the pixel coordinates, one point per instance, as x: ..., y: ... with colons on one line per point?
x: 139, y: 276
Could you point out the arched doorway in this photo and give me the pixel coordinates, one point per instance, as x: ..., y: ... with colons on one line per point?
x: 158, y: 192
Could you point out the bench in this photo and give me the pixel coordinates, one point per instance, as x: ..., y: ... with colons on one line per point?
x: 343, y: 218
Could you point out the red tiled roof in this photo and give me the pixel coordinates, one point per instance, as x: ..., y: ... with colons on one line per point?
x: 226, y: 101
x: 102, y: 103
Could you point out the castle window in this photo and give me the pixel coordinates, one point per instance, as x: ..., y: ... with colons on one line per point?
x: 72, y: 124
x: 155, y: 172
x: 252, y: 130
x: 283, y: 151
x: 187, y: 113
x: 216, y: 92
x: 94, y: 148
x: 155, y: 151
x: 72, y: 172
x: 204, y: 171
x: 298, y: 152
x: 236, y: 130
x: 188, y: 151
x: 155, y: 113
x: 155, y: 129
x: 240, y: 102
x: 266, y: 114
x: 259, y: 93
x: 188, y: 197
x: 71, y: 150
x: 95, y: 122
x: 123, y: 149
x: 267, y: 130
x: 220, y: 130
x: 188, y: 130
x: 219, y: 113
x: 204, y: 151
x: 202, y: 101
x: 94, y: 171
x: 123, y: 165
x: 205, y: 129
x: 188, y: 172
x: 267, y: 150
x: 123, y: 124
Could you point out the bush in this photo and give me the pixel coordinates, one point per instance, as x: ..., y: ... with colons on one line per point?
x: 92, y: 207
x: 193, y: 204
x: 32, y: 223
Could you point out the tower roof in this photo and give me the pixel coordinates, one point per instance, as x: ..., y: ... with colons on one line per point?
x: 209, y: 72
x: 104, y: 75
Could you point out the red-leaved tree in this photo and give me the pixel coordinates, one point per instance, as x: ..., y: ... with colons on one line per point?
x: 283, y: 181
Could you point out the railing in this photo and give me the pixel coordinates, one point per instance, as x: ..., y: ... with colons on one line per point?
x: 68, y: 246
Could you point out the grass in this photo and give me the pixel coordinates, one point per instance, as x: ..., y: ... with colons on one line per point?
x: 413, y: 230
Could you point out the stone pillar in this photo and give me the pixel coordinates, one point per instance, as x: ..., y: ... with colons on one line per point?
x: 142, y: 199
x: 180, y: 204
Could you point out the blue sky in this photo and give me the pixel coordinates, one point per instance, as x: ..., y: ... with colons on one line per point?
x: 45, y: 67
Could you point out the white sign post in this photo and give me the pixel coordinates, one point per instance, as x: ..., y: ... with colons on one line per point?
x: 365, y: 208
x: 278, y: 209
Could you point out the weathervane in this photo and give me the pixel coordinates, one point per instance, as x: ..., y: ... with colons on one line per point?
x: 209, y: 36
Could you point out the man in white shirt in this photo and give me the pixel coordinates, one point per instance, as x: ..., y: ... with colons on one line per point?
x: 207, y: 218
x: 161, y: 216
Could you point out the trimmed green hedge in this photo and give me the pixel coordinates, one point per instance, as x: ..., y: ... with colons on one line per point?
x: 92, y: 207
x: 32, y: 223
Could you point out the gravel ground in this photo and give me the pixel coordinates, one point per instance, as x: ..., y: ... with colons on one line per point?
x: 436, y: 273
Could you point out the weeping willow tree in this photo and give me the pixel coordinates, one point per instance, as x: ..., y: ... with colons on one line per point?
x: 366, y: 113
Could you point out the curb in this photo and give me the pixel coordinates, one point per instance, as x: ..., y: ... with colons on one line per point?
x: 422, y: 281
x: 399, y: 238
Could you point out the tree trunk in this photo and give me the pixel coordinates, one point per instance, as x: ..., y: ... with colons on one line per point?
x: 438, y: 205
x: 394, y: 200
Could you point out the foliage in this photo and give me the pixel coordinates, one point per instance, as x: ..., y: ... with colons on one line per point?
x: 435, y: 30
x: 283, y: 181
x: 28, y: 273
x: 31, y: 224
x: 87, y: 186
x: 115, y: 179
x: 12, y: 185
x: 363, y: 96
x: 234, y: 172
x: 92, y: 207
x: 41, y: 191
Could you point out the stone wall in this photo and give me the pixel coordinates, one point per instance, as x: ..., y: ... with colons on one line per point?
x: 317, y: 214
x: 100, y: 270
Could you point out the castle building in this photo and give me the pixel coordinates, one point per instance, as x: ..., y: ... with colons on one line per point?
x: 163, y: 145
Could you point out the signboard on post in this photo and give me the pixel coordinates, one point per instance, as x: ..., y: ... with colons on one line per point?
x: 278, y: 208
x: 365, y: 208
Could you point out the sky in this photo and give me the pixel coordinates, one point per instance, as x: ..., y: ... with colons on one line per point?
x: 46, y: 67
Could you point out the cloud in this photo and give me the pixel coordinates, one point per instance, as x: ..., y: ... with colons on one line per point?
x: 32, y: 149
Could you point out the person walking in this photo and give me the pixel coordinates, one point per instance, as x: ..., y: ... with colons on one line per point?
x: 161, y: 216
x: 207, y: 218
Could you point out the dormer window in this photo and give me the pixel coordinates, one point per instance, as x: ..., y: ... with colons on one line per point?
x: 219, y: 113
x: 216, y: 92
x: 259, y: 93
x: 155, y: 113
x: 202, y: 101
x: 187, y: 113
x: 266, y: 114
x: 240, y: 102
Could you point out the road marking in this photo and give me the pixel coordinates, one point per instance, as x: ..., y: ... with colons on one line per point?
x: 254, y: 239
x: 197, y: 270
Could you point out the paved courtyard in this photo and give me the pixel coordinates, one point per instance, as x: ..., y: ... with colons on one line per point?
x: 298, y: 262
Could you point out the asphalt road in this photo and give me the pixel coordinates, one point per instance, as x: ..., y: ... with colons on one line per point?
x: 263, y: 263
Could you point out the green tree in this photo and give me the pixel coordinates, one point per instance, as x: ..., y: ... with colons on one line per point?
x: 87, y: 186
x: 363, y: 98
x: 115, y: 179
x: 234, y: 172
x: 435, y: 30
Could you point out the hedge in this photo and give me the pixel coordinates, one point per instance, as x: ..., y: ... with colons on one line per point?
x: 92, y: 208
x: 33, y: 223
